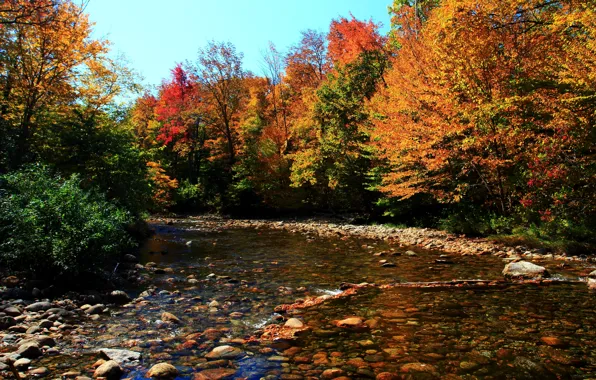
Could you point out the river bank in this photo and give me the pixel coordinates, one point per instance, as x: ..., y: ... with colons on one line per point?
x: 425, y: 238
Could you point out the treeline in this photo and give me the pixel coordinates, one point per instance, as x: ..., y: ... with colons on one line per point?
x: 470, y: 115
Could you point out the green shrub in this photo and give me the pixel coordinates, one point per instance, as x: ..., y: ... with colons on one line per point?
x: 50, y: 227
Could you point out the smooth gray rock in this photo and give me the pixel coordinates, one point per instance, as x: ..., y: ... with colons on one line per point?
x: 524, y: 269
x: 120, y: 356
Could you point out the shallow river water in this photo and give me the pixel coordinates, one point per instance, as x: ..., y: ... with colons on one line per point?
x: 528, y: 331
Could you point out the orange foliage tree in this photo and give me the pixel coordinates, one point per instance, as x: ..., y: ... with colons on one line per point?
x: 487, y: 102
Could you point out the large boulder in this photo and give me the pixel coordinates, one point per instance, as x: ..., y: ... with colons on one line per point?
x: 524, y: 270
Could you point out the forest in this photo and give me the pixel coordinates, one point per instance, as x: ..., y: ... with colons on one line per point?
x: 472, y: 116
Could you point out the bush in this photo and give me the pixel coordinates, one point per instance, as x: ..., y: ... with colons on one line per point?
x: 50, y: 227
x: 466, y: 219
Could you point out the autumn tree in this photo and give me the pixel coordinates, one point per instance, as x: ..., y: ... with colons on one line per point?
x: 46, y: 65
x: 333, y: 156
x: 307, y: 62
x: 478, y: 102
x: 27, y: 12
x: 219, y: 70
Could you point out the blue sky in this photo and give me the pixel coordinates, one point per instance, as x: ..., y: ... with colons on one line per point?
x: 155, y: 35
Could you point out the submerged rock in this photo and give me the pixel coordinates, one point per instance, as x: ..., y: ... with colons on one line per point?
x: 163, y: 371
x: 170, y: 318
x: 417, y: 367
x: 524, y: 269
x: 225, y: 352
x: 215, y: 374
x: 111, y: 370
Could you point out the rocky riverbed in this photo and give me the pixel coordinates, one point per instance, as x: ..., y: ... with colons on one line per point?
x: 225, y: 299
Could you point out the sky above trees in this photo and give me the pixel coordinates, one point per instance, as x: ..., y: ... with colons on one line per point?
x: 155, y: 35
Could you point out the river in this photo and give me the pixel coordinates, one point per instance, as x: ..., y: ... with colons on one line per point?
x: 224, y: 285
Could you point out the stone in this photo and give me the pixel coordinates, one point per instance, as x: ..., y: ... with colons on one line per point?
x: 29, y: 350
x: 354, y: 323
x: 524, y: 269
x: 119, y: 297
x: 213, y: 364
x: 22, y: 363
x: 40, y: 340
x: 119, y: 356
x: 170, y: 318
x: 592, y: 274
x: 553, y: 341
x: 39, y: 372
x: 111, y: 370
x: 332, y: 373
x: 215, y: 374
x: 592, y: 283
x: 417, y: 367
x: 163, y: 371
x: 39, y: 306
x: 6, y: 322
x: 279, y: 359
x: 71, y: 374
x: 18, y: 329
x: 10, y: 281
x: 468, y: 366
x: 212, y: 334
x: 411, y: 253
x: 225, y: 352
x: 96, y: 309
x: 12, y: 311
x: 294, y: 323
x: 387, y: 376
